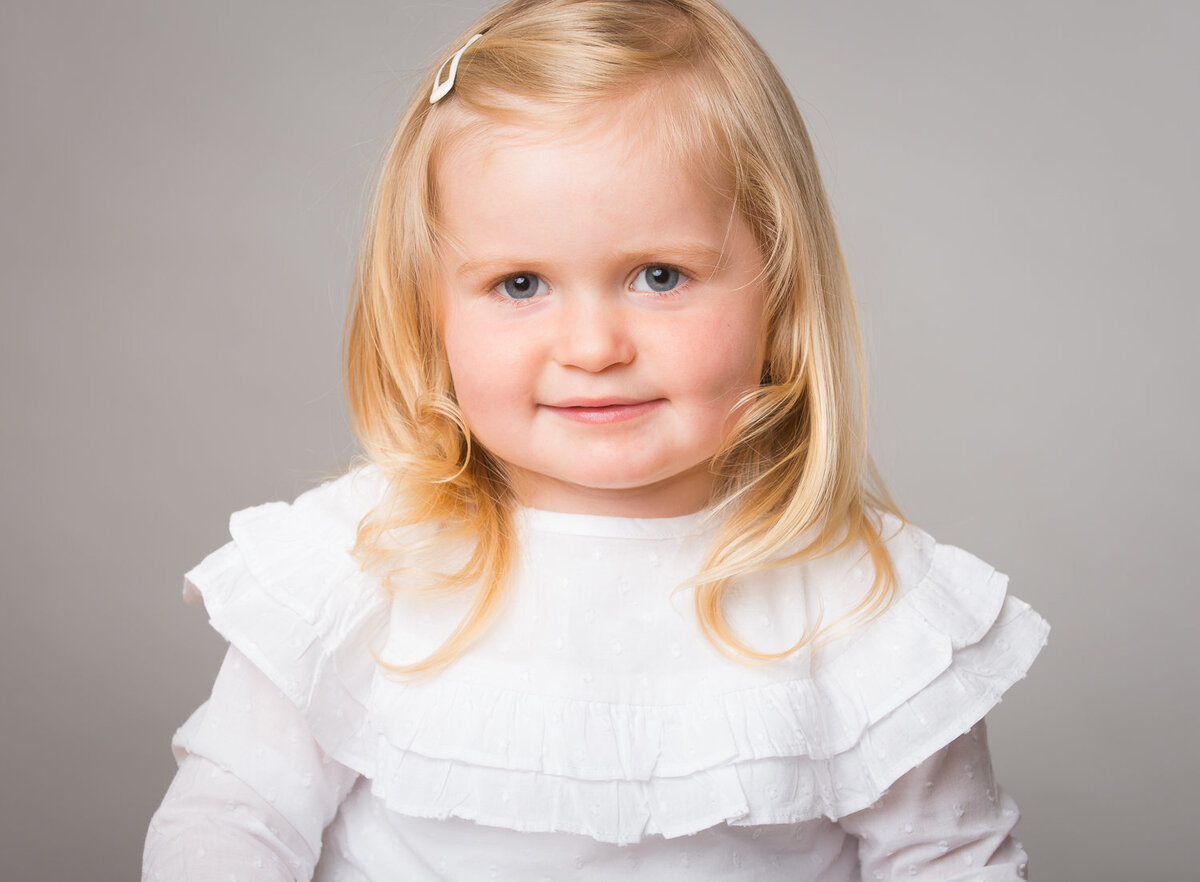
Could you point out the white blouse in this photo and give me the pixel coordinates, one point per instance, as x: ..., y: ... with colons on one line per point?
x: 593, y: 731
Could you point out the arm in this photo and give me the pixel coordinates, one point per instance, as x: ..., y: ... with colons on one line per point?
x: 253, y: 793
x: 945, y: 820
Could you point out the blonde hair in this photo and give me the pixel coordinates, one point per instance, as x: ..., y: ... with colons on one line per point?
x: 794, y: 479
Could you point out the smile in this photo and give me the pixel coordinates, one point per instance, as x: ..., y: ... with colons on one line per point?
x: 602, y: 411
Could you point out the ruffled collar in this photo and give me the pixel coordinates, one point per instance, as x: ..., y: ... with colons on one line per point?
x: 651, y: 732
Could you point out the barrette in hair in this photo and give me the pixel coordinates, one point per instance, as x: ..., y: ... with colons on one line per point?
x: 441, y: 88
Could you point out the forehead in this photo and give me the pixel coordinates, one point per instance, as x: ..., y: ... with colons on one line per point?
x: 591, y: 191
x: 651, y: 124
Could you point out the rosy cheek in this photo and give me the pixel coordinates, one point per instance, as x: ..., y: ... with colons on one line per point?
x: 470, y: 378
x: 726, y: 358
x: 465, y: 363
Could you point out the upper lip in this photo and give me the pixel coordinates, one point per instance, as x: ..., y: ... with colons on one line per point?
x: 616, y: 401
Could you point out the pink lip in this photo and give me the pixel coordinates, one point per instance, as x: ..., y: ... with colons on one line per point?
x: 602, y: 410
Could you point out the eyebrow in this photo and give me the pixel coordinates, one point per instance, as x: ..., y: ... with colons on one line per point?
x: 702, y: 256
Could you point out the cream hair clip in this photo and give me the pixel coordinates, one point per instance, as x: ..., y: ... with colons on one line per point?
x: 441, y: 88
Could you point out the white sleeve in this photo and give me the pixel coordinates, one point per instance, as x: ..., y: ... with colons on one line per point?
x: 253, y: 793
x: 945, y: 820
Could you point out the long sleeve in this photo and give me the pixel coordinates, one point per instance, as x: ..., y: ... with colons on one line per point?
x: 945, y: 820
x: 253, y: 792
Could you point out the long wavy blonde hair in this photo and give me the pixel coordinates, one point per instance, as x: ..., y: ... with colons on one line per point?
x: 793, y: 478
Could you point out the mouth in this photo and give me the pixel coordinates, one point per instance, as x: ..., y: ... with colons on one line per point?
x: 603, y: 410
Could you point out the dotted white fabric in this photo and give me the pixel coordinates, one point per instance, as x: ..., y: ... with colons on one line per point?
x: 593, y: 731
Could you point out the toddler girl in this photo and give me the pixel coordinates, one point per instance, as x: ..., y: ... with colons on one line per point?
x: 614, y: 590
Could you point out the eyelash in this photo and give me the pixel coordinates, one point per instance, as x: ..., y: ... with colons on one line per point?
x: 683, y: 278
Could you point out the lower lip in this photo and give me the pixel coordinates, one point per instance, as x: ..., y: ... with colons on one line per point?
x: 612, y: 413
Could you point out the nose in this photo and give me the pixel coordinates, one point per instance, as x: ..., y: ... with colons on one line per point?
x: 593, y: 334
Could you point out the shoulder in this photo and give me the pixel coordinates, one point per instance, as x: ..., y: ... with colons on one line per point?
x: 951, y: 618
x: 867, y: 702
x: 956, y: 592
x: 321, y: 522
x: 327, y: 514
x: 952, y: 641
x: 287, y: 591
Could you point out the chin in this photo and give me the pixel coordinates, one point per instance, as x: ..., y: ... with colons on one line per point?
x: 638, y: 483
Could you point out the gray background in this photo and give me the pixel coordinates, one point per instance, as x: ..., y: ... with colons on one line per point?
x: 183, y: 187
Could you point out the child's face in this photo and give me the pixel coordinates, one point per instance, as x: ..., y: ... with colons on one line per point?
x: 602, y: 311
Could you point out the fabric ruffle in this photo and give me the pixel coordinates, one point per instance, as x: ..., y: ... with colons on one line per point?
x: 289, y: 596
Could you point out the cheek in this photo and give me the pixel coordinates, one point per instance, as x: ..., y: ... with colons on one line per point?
x: 465, y: 347
x: 487, y: 366
x: 721, y: 357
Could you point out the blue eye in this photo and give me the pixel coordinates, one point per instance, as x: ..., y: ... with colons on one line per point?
x: 657, y: 279
x: 522, y: 286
